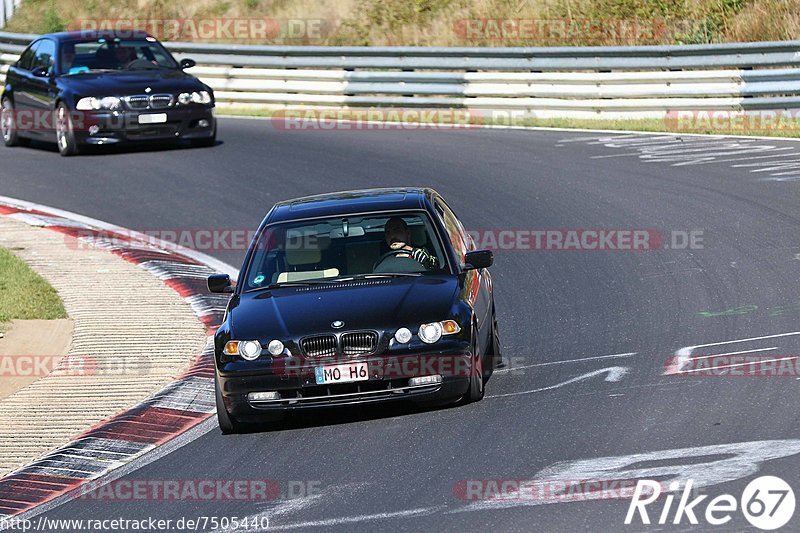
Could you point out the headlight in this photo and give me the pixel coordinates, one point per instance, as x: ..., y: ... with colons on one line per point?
x: 275, y: 347
x: 93, y: 104
x: 197, y: 97
x: 249, y: 350
x: 432, y: 332
x: 403, y: 335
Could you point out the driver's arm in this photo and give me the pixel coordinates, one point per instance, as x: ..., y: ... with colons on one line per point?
x: 421, y: 256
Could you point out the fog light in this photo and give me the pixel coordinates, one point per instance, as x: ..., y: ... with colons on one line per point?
x: 403, y: 335
x: 263, y: 396
x: 425, y: 380
x: 94, y: 129
x: 275, y: 347
x: 203, y: 123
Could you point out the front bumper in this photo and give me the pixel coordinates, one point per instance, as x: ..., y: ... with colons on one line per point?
x: 112, y: 127
x: 294, y: 380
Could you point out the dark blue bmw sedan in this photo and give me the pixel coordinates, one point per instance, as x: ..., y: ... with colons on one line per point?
x: 88, y: 87
x: 355, y: 297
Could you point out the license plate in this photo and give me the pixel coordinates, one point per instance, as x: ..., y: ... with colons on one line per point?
x: 155, y: 118
x: 346, y: 373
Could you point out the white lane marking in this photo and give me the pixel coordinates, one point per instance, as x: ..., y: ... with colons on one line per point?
x: 740, y: 364
x: 615, y: 373
x: 750, y: 339
x: 597, y: 358
x: 683, y: 355
x: 736, y: 353
x: 779, y: 177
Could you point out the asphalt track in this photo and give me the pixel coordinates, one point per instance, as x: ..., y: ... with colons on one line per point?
x: 561, y: 312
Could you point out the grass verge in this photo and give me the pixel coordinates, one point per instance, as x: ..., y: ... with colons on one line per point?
x: 24, y: 295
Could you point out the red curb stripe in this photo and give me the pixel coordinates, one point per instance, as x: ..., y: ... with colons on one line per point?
x: 152, y: 425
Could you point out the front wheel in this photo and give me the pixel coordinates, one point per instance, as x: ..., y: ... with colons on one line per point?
x: 8, y: 124
x: 476, y: 379
x: 227, y: 424
x: 65, y: 132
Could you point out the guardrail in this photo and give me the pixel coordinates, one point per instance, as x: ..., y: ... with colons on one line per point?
x: 577, y: 82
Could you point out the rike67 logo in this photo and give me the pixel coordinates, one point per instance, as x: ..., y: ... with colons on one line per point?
x: 767, y: 503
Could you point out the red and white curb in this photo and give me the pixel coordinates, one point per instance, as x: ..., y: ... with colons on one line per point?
x: 183, y: 404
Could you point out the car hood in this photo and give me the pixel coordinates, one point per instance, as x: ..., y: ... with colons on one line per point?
x: 127, y: 82
x: 292, y: 312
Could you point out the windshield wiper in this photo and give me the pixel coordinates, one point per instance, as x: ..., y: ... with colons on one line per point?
x: 379, y: 275
x: 288, y: 284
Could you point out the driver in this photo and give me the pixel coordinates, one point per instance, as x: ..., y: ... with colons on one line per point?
x: 398, y: 237
x: 67, y: 56
x: 124, y: 55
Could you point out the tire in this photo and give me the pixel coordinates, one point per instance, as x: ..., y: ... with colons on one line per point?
x: 496, y: 347
x: 227, y: 424
x: 8, y: 126
x: 476, y: 388
x: 65, y: 132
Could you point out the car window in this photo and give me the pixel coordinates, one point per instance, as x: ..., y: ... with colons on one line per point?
x: 26, y: 59
x: 345, y: 246
x: 455, y: 231
x: 44, y: 56
x: 106, y: 54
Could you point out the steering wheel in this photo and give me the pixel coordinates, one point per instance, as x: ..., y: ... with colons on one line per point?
x: 394, y: 253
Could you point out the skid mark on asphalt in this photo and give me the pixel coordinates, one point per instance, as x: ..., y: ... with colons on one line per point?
x: 780, y: 163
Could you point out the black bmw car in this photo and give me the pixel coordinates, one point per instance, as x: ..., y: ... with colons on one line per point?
x: 355, y: 297
x: 79, y: 88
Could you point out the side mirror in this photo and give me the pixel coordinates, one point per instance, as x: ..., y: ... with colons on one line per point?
x: 478, y: 259
x: 187, y: 63
x: 220, y: 283
x: 39, y: 72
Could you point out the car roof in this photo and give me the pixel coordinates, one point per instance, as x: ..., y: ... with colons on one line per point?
x: 97, y: 34
x: 348, y: 202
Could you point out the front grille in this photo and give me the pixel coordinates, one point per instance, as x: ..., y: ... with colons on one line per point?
x: 141, y: 102
x: 160, y: 101
x: 359, y: 342
x: 319, y: 346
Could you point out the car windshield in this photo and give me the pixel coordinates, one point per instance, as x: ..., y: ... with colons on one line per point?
x: 80, y: 56
x: 343, y: 247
